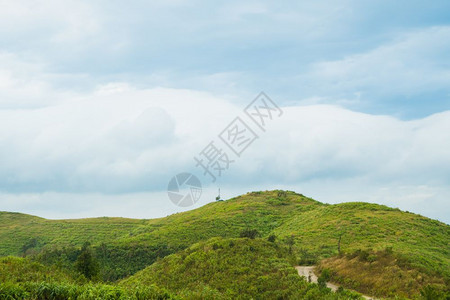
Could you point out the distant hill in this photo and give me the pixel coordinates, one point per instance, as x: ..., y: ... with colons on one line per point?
x: 17, y: 230
x: 312, y: 230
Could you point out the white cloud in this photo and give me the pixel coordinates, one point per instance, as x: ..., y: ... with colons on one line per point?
x: 410, y: 64
x: 22, y: 83
x: 120, y: 139
x: 68, y: 21
x: 60, y: 138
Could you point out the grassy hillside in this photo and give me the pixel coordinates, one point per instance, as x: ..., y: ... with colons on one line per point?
x: 380, y: 273
x: 18, y: 230
x: 125, y: 246
x: 265, y: 211
x: 422, y: 241
x: 311, y: 230
x: 262, y: 210
x: 239, y: 268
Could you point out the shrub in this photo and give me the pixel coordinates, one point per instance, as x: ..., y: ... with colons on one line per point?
x: 249, y: 233
x: 430, y: 292
x: 272, y: 238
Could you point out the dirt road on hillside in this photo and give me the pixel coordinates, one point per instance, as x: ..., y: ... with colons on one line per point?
x: 308, y: 272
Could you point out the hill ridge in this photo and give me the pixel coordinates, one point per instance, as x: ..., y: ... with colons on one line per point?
x: 315, y: 230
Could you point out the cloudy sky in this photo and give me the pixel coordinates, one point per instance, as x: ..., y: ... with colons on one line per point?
x: 102, y: 102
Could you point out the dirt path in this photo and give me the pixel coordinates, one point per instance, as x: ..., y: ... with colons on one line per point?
x: 308, y: 272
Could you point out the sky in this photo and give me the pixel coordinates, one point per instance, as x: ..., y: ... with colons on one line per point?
x: 103, y: 102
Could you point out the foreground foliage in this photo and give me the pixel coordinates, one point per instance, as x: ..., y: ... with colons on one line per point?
x: 65, y: 291
x: 24, y: 279
x: 239, y: 268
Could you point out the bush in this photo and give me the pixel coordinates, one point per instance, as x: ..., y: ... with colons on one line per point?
x: 323, y: 278
x: 249, y: 233
x: 60, y: 291
x: 430, y: 292
x: 11, y: 291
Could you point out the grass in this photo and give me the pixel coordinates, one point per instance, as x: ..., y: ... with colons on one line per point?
x: 422, y: 241
x: 15, y: 270
x: 309, y: 228
x: 216, y: 269
x: 24, y: 279
x: 238, y: 268
x: 16, y: 230
x: 263, y: 211
x: 379, y: 273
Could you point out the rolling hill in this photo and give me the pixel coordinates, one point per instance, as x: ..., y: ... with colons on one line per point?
x: 17, y: 230
x: 313, y: 231
x: 235, y: 268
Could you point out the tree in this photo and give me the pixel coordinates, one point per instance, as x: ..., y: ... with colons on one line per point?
x: 272, y: 238
x: 290, y: 241
x: 323, y: 278
x: 30, y: 244
x: 86, y: 262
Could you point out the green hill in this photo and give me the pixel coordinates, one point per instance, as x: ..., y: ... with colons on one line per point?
x: 264, y: 210
x: 311, y: 230
x: 423, y: 241
x: 125, y: 246
x: 18, y: 230
x: 238, y: 268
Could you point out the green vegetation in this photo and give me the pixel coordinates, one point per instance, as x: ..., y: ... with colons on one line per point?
x: 86, y: 262
x: 65, y: 291
x: 16, y: 269
x: 239, y: 268
x: 134, y: 244
x: 422, y: 241
x: 308, y: 230
x: 379, y: 273
x: 22, y: 234
x: 24, y: 279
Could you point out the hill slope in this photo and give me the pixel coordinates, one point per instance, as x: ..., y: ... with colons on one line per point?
x: 312, y: 231
x: 370, y: 226
x: 239, y: 268
x: 262, y: 210
x: 18, y: 230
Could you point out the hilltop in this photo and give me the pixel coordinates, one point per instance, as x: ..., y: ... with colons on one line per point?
x: 371, y: 226
x: 313, y: 231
